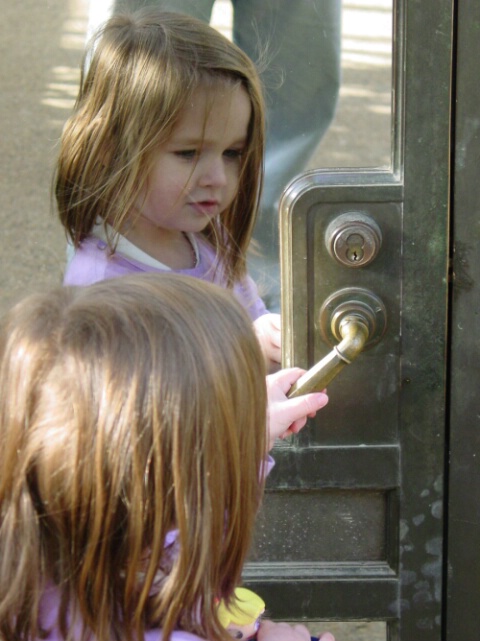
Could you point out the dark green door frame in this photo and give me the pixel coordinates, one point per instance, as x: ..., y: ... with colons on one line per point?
x: 463, y: 560
x: 427, y: 103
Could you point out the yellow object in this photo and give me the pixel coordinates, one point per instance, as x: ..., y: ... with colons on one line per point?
x: 244, y: 610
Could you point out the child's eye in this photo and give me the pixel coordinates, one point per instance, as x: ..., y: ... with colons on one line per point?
x: 233, y: 154
x: 188, y: 154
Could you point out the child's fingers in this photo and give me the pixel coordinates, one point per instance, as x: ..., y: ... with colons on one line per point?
x: 285, y: 378
x: 297, y: 427
x: 289, y: 415
x: 309, y: 404
x: 297, y: 409
x: 294, y: 428
x: 282, y: 632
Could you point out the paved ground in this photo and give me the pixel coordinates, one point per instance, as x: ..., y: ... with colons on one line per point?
x: 40, y: 51
x: 41, y: 45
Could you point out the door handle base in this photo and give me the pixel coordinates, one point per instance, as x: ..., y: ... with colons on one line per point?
x: 357, y: 318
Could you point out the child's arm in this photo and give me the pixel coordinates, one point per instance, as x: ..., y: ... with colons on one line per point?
x: 287, y: 416
x: 268, y: 330
x: 270, y: 631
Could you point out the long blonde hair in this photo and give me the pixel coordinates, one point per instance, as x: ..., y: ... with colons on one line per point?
x: 144, y: 69
x: 128, y: 409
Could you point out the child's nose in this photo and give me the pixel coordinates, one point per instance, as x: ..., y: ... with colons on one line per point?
x: 214, y: 173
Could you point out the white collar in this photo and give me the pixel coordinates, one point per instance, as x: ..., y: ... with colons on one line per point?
x: 129, y: 250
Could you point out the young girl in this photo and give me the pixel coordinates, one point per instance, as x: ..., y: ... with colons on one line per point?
x: 160, y: 165
x: 132, y: 465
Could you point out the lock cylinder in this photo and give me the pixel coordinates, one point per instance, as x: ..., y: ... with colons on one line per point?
x: 353, y: 239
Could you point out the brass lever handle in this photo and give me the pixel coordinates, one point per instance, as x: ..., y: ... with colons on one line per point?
x: 354, y: 336
x: 358, y: 322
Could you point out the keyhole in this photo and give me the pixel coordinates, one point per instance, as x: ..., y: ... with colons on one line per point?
x: 355, y: 244
x: 353, y: 239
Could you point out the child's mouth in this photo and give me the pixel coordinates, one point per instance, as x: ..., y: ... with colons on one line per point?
x: 207, y: 207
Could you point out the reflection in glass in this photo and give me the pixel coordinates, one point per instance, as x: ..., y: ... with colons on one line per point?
x: 360, y: 135
x: 39, y: 83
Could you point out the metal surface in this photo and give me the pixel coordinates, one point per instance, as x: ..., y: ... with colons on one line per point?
x: 356, y: 301
x: 393, y: 402
x: 353, y: 239
x: 356, y: 318
x: 354, y: 333
x: 463, y: 562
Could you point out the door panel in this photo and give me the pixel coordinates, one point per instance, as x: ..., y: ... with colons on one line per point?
x: 464, y: 479
x: 311, y: 276
x: 337, y: 485
x: 353, y: 520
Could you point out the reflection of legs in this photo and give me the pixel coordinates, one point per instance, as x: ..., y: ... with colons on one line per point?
x: 302, y: 42
x: 200, y: 9
x: 99, y: 12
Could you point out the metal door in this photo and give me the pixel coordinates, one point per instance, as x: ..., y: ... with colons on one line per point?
x: 353, y: 523
x: 462, y: 560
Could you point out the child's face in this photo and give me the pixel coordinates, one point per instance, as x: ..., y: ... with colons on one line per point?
x: 196, y: 172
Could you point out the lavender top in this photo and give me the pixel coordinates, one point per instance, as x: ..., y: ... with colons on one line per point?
x: 93, y: 262
x: 49, y: 613
x: 50, y: 600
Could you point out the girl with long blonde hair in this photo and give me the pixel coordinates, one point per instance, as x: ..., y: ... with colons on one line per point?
x: 133, y: 422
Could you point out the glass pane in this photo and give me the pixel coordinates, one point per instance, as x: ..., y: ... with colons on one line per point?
x: 360, y: 134
x: 43, y: 43
x: 332, y: 107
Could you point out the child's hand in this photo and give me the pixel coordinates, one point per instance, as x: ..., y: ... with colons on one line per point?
x: 268, y: 331
x: 288, y: 415
x: 270, y: 631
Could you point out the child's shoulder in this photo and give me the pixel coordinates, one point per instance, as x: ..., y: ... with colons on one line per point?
x: 93, y: 261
